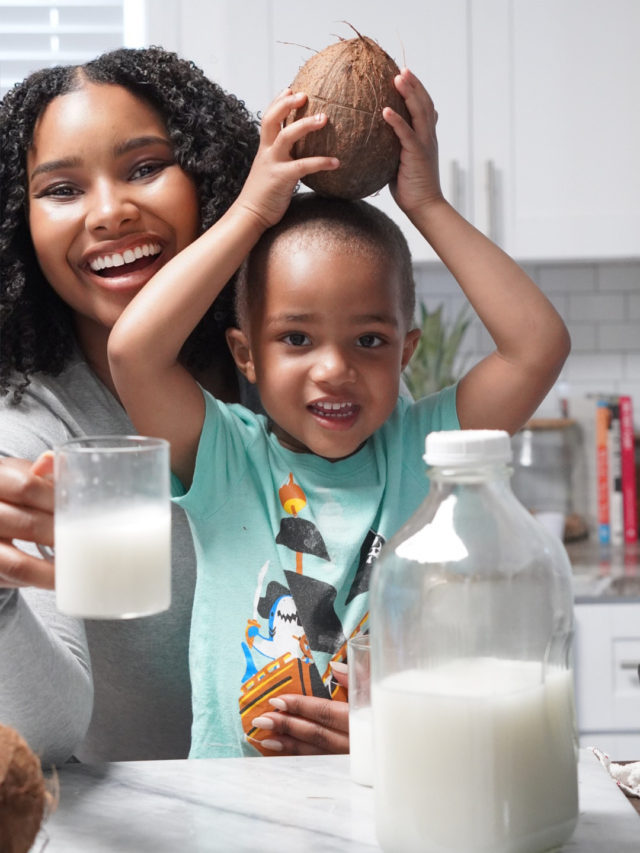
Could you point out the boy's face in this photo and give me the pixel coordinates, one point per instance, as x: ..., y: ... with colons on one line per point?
x: 328, y: 347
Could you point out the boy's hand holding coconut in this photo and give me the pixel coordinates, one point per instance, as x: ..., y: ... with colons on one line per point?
x: 417, y: 182
x: 275, y: 173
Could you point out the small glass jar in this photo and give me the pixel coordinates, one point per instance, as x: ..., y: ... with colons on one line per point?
x: 475, y: 742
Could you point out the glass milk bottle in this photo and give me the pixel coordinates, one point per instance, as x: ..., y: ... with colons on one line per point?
x: 475, y: 741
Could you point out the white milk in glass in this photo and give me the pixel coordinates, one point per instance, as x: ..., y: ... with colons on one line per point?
x: 361, y: 745
x: 476, y: 756
x: 114, y: 563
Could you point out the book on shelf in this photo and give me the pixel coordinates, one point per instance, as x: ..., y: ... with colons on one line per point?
x: 628, y: 470
x: 616, y: 514
x: 604, y: 478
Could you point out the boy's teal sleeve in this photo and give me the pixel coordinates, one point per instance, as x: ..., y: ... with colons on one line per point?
x: 438, y: 410
x: 448, y: 409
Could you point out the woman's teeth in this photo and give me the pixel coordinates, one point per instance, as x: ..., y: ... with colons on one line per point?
x: 127, y: 257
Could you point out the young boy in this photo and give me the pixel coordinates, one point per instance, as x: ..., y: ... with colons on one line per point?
x: 290, y: 510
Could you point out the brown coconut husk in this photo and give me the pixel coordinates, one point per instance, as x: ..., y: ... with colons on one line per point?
x: 25, y: 798
x: 351, y: 82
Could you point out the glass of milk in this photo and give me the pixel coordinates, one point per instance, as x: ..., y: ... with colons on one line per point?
x: 360, y: 720
x: 112, y: 528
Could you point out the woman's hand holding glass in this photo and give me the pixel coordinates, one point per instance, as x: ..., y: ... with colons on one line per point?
x: 26, y: 514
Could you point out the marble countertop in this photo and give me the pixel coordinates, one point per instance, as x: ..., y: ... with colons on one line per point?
x: 286, y: 805
x: 605, y: 574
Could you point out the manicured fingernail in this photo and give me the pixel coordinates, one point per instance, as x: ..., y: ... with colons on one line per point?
x: 319, y: 117
x: 280, y: 704
x: 262, y: 722
x: 273, y: 745
x: 339, y: 666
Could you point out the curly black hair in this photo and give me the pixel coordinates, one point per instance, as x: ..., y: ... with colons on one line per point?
x: 215, y: 139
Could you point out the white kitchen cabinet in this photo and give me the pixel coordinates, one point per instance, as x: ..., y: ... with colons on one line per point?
x: 606, y: 659
x: 539, y: 125
x: 555, y: 126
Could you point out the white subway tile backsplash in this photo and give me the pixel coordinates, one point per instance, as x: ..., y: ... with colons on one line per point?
x: 599, y: 367
x: 600, y: 304
x: 576, y: 387
x: 631, y: 370
x: 618, y: 277
x: 433, y: 280
x: 618, y: 336
x: 566, y: 278
x: 633, y: 306
x: 560, y: 302
x: 583, y: 336
x: 594, y: 307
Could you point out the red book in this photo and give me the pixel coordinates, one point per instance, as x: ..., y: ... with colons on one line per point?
x: 628, y: 465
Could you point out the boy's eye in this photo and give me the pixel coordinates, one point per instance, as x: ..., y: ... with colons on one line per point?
x: 369, y: 341
x: 296, y: 339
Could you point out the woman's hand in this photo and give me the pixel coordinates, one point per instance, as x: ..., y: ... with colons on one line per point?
x: 26, y: 513
x: 275, y: 173
x: 417, y: 183
x: 307, y: 725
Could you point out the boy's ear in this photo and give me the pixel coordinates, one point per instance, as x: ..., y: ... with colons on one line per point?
x: 241, y: 351
x: 410, y: 344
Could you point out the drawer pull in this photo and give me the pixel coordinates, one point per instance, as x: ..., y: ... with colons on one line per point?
x: 629, y: 664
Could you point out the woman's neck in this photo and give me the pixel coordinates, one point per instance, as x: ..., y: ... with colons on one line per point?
x: 92, y: 339
x: 219, y: 379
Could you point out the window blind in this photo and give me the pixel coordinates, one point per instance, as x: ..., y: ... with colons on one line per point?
x: 37, y: 34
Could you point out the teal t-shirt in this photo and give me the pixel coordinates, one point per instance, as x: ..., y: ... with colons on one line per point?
x: 285, y: 544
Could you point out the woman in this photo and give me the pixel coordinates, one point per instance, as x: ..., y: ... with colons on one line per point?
x: 107, y: 170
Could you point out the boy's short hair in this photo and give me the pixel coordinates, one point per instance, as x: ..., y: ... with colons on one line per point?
x: 356, y: 226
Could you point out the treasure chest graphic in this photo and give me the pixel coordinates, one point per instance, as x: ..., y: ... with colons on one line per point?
x: 286, y: 674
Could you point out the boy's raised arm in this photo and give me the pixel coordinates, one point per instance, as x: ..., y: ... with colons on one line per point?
x: 160, y: 396
x: 503, y: 390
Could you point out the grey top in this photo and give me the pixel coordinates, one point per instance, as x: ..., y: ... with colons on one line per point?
x: 98, y: 690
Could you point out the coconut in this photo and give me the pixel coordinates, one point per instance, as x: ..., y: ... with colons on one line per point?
x: 351, y: 82
x: 24, y: 796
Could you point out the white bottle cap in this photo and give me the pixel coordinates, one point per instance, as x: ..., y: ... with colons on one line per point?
x: 468, y: 447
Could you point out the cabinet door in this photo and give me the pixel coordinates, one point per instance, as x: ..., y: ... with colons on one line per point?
x: 606, y: 659
x: 556, y: 127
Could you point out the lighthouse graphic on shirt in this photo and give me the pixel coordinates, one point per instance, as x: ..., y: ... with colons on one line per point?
x: 292, y: 620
